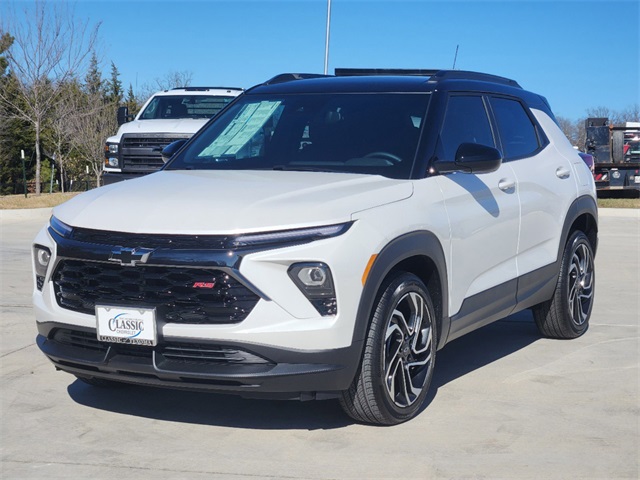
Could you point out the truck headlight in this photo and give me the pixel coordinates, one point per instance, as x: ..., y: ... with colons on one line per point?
x: 41, y: 259
x: 111, y: 162
x: 316, y: 283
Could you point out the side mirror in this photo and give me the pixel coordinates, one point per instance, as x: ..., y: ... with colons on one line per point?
x: 472, y: 158
x: 123, y: 115
x: 170, y: 150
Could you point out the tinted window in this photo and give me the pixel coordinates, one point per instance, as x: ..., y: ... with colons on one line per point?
x: 517, y: 132
x: 184, y: 106
x: 344, y: 132
x: 465, y: 121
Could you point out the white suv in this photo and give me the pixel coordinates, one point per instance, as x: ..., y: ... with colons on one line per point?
x: 323, y: 237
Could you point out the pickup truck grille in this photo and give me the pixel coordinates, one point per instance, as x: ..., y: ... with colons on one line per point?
x: 181, y: 295
x: 142, y: 153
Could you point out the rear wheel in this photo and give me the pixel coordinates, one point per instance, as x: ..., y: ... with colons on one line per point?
x: 399, y: 355
x: 567, y: 314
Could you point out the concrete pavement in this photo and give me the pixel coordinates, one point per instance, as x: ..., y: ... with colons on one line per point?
x: 505, y: 403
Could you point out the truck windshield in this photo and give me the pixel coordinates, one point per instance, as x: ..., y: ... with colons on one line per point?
x: 184, y: 106
x: 338, y: 132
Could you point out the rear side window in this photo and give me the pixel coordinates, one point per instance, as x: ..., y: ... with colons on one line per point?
x: 465, y: 121
x: 517, y: 132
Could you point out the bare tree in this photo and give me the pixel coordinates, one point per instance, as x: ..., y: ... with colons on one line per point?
x: 60, y: 127
x: 569, y: 128
x: 50, y: 47
x: 93, y: 122
x: 171, y: 79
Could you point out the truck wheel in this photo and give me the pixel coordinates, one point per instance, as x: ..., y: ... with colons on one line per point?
x: 567, y: 314
x: 399, y: 355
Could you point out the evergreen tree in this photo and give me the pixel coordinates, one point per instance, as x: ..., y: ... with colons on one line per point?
x: 93, y: 79
x: 132, y: 102
x: 114, y: 86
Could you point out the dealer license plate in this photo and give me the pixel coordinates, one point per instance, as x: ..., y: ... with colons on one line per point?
x: 135, y: 326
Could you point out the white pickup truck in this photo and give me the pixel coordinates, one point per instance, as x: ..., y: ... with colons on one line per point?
x: 167, y: 116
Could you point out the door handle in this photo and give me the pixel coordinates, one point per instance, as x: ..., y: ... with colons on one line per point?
x: 506, y: 184
x: 563, y: 172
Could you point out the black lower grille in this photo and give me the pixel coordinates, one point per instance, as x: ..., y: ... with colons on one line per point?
x: 180, y: 295
x: 179, y: 352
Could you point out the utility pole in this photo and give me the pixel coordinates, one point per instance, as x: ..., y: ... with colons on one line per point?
x: 24, y: 174
x: 326, y: 44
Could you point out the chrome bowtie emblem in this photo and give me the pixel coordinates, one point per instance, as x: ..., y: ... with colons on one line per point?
x: 130, y: 256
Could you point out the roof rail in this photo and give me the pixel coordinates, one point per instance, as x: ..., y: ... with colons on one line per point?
x: 352, y: 72
x: 464, y: 75
x: 204, y: 89
x: 288, y: 77
x: 435, y: 75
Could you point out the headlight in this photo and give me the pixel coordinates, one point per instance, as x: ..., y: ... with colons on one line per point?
x: 60, y: 228
x: 300, y: 235
x: 41, y: 259
x: 111, y: 162
x: 316, y: 283
x: 110, y: 148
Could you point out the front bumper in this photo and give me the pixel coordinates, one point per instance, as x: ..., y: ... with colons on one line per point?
x: 247, y: 370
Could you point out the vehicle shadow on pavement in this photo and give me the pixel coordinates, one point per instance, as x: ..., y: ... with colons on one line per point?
x: 461, y: 357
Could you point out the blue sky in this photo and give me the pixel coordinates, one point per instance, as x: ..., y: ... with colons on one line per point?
x: 579, y: 54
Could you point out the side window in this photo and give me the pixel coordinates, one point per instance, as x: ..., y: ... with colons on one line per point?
x: 517, y: 132
x: 465, y: 121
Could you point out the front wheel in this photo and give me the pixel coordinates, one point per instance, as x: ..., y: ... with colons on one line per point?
x: 399, y: 355
x: 567, y: 314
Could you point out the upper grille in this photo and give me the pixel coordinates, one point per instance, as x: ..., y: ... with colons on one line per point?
x: 209, y: 242
x: 80, y: 285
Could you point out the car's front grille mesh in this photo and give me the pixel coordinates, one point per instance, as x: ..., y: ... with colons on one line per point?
x: 180, y: 294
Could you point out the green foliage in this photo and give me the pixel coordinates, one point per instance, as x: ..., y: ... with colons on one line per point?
x: 93, y: 82
x: 132, y: 102
x: 114, y: 86
x: 6, y: 41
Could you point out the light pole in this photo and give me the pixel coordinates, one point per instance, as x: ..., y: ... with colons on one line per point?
x: 326, y: 44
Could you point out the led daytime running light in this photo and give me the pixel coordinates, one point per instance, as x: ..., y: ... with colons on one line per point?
x: 287, y: 236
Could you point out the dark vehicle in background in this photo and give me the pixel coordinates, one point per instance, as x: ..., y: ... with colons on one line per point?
x: 616, y: 155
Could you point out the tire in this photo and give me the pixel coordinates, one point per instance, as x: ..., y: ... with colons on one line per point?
x: 567, y: 314
x: 399, y: 355
x: 100, y: 382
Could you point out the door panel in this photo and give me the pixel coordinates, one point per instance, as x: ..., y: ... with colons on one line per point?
x: 484, y: 232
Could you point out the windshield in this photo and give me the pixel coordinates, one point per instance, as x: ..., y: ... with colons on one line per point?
x: 184, y: 106
x: 338, y: 132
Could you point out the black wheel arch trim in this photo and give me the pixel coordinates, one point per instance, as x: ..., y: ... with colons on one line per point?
x: 414, y: 244
x: 581, y: 206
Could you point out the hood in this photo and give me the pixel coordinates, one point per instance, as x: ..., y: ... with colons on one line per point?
x: 169, y: 126
x: 228, y: 202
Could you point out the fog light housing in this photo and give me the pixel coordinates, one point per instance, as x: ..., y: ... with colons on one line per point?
x: 316, y: 283
x: 41, y: 259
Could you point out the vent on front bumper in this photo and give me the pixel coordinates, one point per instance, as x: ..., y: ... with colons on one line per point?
x: 179, y: 352
x: 175, y: 291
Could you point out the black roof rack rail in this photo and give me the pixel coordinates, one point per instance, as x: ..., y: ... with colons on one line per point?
x: 435, y: 75
x: 353, y: 72
x: 465, y: 75
x: 288, y: 77
x: 204, y: 89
